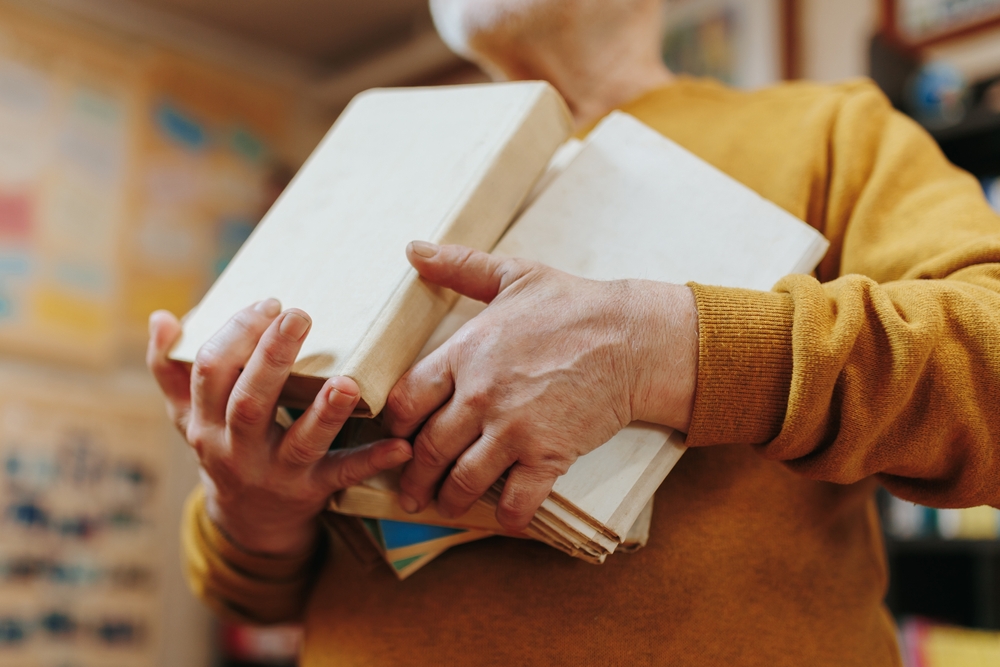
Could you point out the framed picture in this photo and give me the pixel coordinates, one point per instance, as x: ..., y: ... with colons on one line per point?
x: 919, y: 23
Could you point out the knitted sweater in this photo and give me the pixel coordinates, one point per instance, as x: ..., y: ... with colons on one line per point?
x: 765, y: 548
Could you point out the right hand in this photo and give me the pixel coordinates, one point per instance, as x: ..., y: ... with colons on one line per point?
x: 264, y: 486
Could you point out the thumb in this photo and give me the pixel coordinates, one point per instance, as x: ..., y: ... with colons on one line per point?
x: 477, y: 275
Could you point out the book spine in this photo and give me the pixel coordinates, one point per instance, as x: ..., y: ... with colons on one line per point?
x: 417, y: 307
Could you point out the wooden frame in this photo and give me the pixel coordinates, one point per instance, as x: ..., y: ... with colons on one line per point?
x: 890, y: 17
x: 791, y: 43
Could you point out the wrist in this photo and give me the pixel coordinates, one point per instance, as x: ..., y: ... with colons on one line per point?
x: 664, y: 339
x: 260, y: 537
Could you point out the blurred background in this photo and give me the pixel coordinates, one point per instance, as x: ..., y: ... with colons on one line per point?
x: 142, y: 140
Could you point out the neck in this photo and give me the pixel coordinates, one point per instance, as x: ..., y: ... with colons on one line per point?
x: 593, y: 79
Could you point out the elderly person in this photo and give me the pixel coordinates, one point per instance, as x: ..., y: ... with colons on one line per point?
x: 765, y: 547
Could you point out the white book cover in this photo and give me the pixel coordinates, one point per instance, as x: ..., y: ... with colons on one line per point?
x: 633, y: 204
x: 451, y: 164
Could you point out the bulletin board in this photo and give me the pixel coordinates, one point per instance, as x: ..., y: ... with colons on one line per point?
x: 129, y: 175
x: 66, y: 121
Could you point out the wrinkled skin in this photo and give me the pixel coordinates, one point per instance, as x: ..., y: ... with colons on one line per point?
x: 264, y: 485
x: 550, y: 370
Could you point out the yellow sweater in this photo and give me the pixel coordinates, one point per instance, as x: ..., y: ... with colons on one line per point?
x: 765, y: 546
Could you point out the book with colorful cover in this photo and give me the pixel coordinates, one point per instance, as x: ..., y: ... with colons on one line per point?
x: 407, y: 547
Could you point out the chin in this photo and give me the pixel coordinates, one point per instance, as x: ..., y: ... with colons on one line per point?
x: 463, y: 22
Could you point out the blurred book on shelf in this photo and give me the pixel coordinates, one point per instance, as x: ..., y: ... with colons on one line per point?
x: 925, y: 643
x: 906, y: 521
x: 260, y: 646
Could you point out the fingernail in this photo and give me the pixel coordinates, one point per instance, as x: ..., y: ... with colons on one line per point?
x: 269, y: 307
x: 293, y: 326
x: 423, y: 248
x: 339, y: 399
x: 408, y: 504
x: 445, y: 511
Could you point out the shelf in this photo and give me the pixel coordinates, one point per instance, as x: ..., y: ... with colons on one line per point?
x: 937, y: 545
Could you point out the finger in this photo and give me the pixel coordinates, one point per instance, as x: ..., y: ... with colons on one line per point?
x: 173, y: 377
x: 250, y: 412
x: 308, y: 440
x: 474, y: 473
x: 522, y: 495
x: 444, y: 437
x: 220, y: 359
x: 346, y: 467
x: 475, y: 274
x: 421, y: 391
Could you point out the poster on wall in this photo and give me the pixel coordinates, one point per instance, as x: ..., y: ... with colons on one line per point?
x: 736, y: 42
x: 129, y: 176
x: 64, y: 152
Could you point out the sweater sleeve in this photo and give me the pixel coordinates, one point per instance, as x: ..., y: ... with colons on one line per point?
x: 888, y: 363
x: 238, y: 585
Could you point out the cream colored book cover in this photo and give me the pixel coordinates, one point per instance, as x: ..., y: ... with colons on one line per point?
x: 449, y: 164
x: 633, y: 204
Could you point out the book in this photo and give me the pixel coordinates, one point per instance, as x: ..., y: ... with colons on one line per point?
x: 926, y: 643
x: 629, y: 204
x: 406, y: 547
x: 407, y: 542
x: 449, y: 164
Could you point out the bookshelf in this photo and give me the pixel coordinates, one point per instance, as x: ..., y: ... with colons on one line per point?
x: 955, y: 581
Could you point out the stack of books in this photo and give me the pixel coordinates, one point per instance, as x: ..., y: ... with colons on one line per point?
x: 469, y: 164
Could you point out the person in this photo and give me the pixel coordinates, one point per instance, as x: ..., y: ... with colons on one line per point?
x: 765, y: 548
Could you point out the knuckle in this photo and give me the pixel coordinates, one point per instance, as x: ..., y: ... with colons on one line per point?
x: 464, y: 482
x: 509, y: 271
x: 299, y: 453
x: 276, y: 355
x: 516, y: 432
x: 463, y: 257
x: 178, y: 418
x: 514, y: 511
x: 243, y: 321
x: 478, y: 401
x: 331, y: 418
x: 400, y: 405
x: 428, y: 452
x: 246, y: 408
x: 207, y: 361
x: 352, y: 472
x: 198, y: 438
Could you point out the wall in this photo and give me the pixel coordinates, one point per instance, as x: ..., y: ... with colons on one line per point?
x: 835, y: 36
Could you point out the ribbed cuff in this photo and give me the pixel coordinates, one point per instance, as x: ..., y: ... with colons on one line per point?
x: 744, y: 365
x: 254, y: 587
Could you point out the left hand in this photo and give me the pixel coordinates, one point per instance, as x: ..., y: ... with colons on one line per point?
x: 550, y: 370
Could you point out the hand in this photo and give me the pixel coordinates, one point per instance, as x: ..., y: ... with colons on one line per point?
x: 550, y: 370
x: 264, y: 485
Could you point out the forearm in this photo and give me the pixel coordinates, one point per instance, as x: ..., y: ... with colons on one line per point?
x: 851, y: 379
x: 240, y: 585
